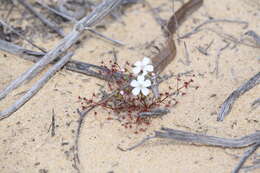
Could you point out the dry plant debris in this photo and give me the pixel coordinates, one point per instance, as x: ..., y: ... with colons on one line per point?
x: 228, y: 103
x: 130, y: 111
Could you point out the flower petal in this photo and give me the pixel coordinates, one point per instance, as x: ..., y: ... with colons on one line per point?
x: 136, y: 91
x: 147, y: 83
x: 140, y: 78
x: 144, y: 73
x: 138, y: 64
x: 136, y: 70
x: 148, y: 68
x: 134, y: 83
x: 145, y: 91
x: 146, y: 61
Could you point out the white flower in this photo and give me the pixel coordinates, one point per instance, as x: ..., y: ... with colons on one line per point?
x: 122, y: 92
x: 143, y: 66
x: 140, y: 85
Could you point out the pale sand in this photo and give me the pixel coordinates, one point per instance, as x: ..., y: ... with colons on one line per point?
x: 26, y: 145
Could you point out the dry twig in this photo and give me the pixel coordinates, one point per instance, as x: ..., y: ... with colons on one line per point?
x: 228, y: 103
x: 216, y: 69
x: 53, y: 124
x: 187, y: 57
x: 43, y: 19
x: 19, y: 51
x: 198, y: 28
x: 255, y: 36
x: 256, y: 103
x: 35, y: 88
x: 232, y: 38
x: 245, y: 156
x: 20, y: 35
x: 203, y: 50
x: 116, y: 42
x: 193, y: 138
x: 58, y: 13
x: 99, y: 13
x: 159, y: 112
x: 251, y: 167
x: 72, y: 65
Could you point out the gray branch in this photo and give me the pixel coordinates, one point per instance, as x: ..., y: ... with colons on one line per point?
x: 197, y: 28
x: 194, y: 138
x: 38, y: 85
x: 209, y: 140
x: 44, y: 20
x: 98, y: 13
x: 228, y: 103
x: 246, y: 155
x: 72, y: 65
x: 256, y: 103
x: 255, y: 36
x: 22, y: 36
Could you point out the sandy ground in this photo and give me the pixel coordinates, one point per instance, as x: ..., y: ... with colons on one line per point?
x: 27, y: 146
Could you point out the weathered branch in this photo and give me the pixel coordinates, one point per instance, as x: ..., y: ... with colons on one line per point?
x: 228, y: 103
x: 194, y: 138
x: 209, y: 140
x: 255, y: 36
x: 20, y: 51
x: 43, y: 19
x: 38, y: 85
x: 197, y: 28
x: 246, y: 155
x: 20, y: 35
x: 99, y: 13
x: 256, y: 103
x: 72, y: 65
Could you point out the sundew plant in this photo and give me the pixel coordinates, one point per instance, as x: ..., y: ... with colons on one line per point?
x: 136, y: 101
